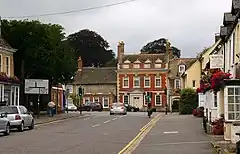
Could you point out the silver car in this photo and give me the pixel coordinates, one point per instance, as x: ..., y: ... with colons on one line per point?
x: 118, y: 108
x: 18, y: 116
x: 4, y: 124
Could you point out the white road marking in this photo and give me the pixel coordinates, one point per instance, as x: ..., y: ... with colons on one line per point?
x: 173, y: 132
x: 121, y: 117
x: 57, y: 121
x: 114, y: 119
x: 86, y: 118
x: 105, y: 134
x: 95, y: 117
x: 107, y: 121
x: 96, y: 125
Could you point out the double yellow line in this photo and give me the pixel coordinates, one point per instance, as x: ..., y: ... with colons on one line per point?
x: 146, y: 127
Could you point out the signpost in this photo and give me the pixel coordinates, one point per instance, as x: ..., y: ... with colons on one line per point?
x: 36, y: 86
x: 216, y: 61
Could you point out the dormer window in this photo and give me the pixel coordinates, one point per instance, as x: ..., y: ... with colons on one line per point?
x: 136, y: 65
x: 158, y: 65
x: 147, y: 61
x: 126, y: 62
x: 147, y: 65
x: 137, y: 61
x: 181, y: 68
x: 125, y: 66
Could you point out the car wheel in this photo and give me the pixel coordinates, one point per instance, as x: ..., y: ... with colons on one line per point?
x: 21, y: 127
x: 7, y: 132
x: 32, y: 125
x: 132, y: 109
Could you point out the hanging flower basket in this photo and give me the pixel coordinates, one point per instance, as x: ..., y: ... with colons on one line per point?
x: 5, y: 78
x: 213, y: 81
x: 217, y: 80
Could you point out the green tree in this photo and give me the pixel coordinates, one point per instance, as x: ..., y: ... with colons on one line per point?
x: 159, y: 46
x: 92, y: 48
x: 188, y: 101
x: 41, y: 51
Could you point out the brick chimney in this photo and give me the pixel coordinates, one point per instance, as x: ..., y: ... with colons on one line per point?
x: 120, y: 51
x: 217, y: 37
x: 80, y: 63
x: 169, y: 50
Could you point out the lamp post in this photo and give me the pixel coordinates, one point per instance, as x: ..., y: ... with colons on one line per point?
x: 67, y: 94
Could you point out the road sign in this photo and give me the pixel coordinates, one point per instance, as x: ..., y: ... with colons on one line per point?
x: 36, y: 86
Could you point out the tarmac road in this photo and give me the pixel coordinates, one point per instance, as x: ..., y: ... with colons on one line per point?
x: 98, y: 134
x: 176, y: 134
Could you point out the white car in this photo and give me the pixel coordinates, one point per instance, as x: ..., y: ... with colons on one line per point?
x: 70, y: 106
x: 118, y: 108
x: 4, y: 124
x: 18, y: 116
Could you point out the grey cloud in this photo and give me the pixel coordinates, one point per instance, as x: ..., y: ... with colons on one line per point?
x: 189, y: 24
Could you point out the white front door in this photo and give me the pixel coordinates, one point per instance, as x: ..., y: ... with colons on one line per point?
x: 137, y: 101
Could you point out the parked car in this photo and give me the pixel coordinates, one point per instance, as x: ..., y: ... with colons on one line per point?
x: 4, y: 124
x: 70, y: 106
x: 92, y: 106
x: 118, y: 108
x: 18, y: 116
x: 131, y: 108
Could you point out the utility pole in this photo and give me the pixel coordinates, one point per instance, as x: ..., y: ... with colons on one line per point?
x: 0, y: 26
x: 169, y: 88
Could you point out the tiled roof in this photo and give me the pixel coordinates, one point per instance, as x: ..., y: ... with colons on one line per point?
x: 91, y: 75
x: 4, y: 44
x: 143, y: 57
x: 174, y: 63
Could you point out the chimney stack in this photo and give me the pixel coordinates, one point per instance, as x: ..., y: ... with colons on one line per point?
x: 169, y: 50
x: 120, y: 51
x: 80, y: 63
x: 217, y: 37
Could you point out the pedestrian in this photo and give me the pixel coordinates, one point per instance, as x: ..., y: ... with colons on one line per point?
x: 80, y: 108
x: 166, y: 109
x: 51, y: 105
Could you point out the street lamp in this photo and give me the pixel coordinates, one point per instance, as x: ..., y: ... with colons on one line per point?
x: 67, y: 93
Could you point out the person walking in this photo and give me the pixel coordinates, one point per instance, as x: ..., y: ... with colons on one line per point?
x: 51, y: 105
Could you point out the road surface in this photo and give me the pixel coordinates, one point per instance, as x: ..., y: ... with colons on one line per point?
x: 98, y: 134
x: 176, y: 134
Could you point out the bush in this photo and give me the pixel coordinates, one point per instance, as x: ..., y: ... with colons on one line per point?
x: 187, y: 101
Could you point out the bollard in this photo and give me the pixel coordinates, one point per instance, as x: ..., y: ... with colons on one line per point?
x: 238, y: 145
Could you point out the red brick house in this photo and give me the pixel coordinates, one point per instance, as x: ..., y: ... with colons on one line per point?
x: 141, y: 73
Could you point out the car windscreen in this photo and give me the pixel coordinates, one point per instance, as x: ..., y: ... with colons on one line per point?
x: 8, y: 110
x: 117, y: 104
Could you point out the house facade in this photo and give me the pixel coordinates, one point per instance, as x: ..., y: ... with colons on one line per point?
x: 138, y: 74
x: 228, y: 96
x: 9, y: 83
x: 99, y: 84
x: 177, y: 67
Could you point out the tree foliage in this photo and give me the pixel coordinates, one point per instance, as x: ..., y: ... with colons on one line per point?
x: 92, y: 48
x: 188, y: 101
x: 159, y: 46
x: 41, y: 51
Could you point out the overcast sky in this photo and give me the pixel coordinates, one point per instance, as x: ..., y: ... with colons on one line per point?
x: 190, y: 25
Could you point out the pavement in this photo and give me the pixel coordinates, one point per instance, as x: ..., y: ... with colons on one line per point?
x: 176, y: 134
x: 46, y: 119
x: 98, y: 133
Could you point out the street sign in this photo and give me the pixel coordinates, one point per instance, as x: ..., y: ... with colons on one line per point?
x: 36, y: 86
